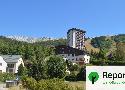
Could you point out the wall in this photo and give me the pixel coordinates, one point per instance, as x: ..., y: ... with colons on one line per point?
x: 80, y: 58
x: 87, y: 58
x: 4, y: 65
x: 18, y: 64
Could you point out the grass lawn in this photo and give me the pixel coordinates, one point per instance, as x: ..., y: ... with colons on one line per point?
x: 81, y: 84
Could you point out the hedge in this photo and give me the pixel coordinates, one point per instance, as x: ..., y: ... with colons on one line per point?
x: 6, y: 76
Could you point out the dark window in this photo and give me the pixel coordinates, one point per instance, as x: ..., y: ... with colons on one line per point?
x: 73, y: 55
x: 68, y: 54
x: 87, y: 60
x: 10, y: 65
x: 0, y: 64
x: 63, y: 52
x: 10, y: 70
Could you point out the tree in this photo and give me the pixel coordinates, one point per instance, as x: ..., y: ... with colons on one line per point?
x: 119, y: 38
x: 22, y: 70
x: 56, y: 67
x: 101, y: 54
x: 37, y: 67
x: 120, y: 52
x: 72, y: 67
x: 101, y: 42
x: 37, y: 71
x: 81, y: 76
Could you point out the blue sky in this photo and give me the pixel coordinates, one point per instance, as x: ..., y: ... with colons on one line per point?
x: 52, y: 18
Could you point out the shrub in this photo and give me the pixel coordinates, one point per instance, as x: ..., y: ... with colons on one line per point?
x: 6, y: 76
x: 50, y: 84
x: 70, y: 77
x: 29, y: 83
x: 116, y: 63
x: 96, y: 62
x: 81, y: 76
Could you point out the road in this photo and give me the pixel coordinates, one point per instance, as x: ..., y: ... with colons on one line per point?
x: 2, y: 87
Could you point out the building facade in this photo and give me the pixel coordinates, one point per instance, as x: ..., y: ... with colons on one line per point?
x: 72, y: 54
x: 76, y: 38
x: 10, y: 63
x: 3, y: 65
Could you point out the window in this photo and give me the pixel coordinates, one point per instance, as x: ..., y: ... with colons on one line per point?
x: 68, y: 54
x: 62, y: 48
x: 10, y: 70
x: 0, y: 64
x: 73, y: 55
x: 72, y: 59
x: 10, y: 65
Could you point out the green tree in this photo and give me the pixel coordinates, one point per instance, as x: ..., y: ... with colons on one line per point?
x: 101, y: 54
x: 102, y: 42
x: 72, y: 67
x: 56, y: 67
x: 22, y: 71
x: 120, y: 52
x: 37, y: 67
x: 81, y: 76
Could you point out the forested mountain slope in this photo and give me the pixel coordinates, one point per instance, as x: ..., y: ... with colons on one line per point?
x: 29, y: 51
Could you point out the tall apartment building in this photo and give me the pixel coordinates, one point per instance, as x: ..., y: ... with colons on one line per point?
x: 76, y: 38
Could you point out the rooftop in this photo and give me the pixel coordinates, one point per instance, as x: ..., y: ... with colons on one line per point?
x: 76, y: 30
x: 11, y: 58
x: 63, y: 49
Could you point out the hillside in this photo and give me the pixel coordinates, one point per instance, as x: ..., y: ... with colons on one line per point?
x: 89, y: 46
x: 29, y: 51
x: 107, y: 43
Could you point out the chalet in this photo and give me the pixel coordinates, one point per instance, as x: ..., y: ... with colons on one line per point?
x: 72, y: 54
x: 10, y: 63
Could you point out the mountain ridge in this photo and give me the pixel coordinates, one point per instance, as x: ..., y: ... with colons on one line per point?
x: 29, y: 39
x: 108, y: 42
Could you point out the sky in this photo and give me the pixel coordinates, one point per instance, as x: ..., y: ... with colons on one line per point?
x: 53, y: 18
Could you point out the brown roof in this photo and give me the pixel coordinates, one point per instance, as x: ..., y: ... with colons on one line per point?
x: 63, y: 49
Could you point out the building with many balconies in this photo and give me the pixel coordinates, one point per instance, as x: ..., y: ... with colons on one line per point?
x: 76, y: 38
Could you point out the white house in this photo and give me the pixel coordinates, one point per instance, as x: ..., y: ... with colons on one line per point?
x: 12, y: 62
x: 72, y: 54
x: 3, y: 65
x: 85, y: 59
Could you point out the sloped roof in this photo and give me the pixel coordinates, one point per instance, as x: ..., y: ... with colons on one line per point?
x: 11, y: 58
x: 63, y: 49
